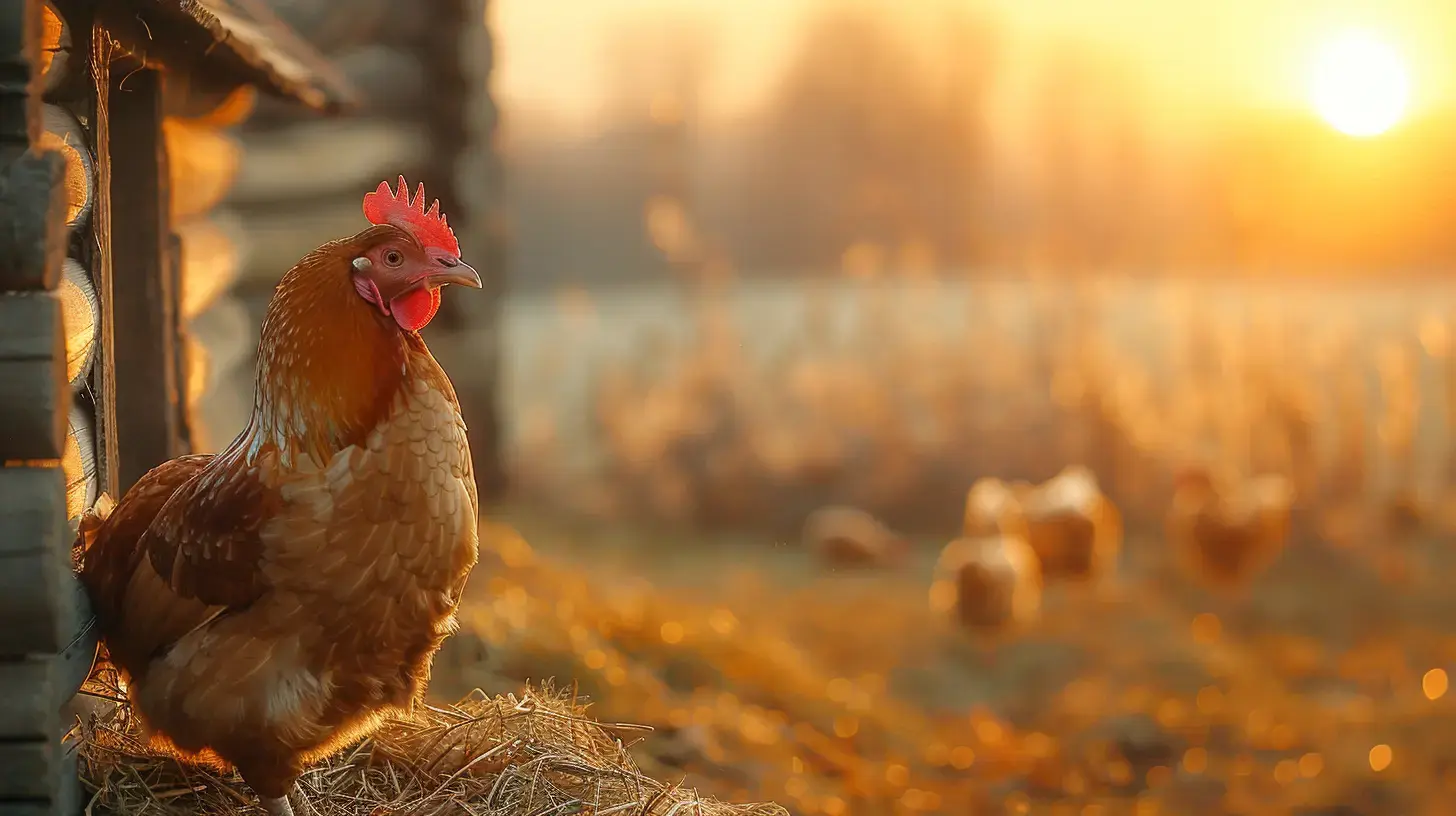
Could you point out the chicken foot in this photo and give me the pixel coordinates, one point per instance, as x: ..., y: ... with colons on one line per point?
x: 294, y: 804
x: 272, y: 772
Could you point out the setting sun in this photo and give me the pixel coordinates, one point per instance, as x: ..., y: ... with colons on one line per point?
x: 1359, y: 85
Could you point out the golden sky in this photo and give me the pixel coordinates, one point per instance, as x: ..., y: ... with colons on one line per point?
x: 1203, y: 55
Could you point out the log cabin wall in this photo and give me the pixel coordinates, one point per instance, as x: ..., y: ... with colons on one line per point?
x: 211, y: 245
x: 421, y: 72
x: 50, y: 324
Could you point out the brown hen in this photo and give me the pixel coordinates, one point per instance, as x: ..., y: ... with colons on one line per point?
x: 270, y: 604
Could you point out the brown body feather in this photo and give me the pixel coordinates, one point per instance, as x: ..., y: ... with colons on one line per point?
x: 269, y: 604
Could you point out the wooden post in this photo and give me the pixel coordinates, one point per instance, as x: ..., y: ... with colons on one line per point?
x: 172, y: 273
x: 41, y: 607
x: 479, y: 185
x: 104, y: 369
x: 139, y: 282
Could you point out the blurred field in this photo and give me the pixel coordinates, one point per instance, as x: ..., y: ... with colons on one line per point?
x: 668, y: 442
x: 663, y: 466
x: 752, y: 405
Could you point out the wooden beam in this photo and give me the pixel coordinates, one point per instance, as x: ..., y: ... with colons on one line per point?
x: 40, y: 600
x: 477, y: 185
x: 442, y: 56
x: 142, y: 288
x: 29, y: 709
x: 179, y: 359
x: 21, y: 30
x: 41, y: 775
x: 34, y: 394
x: 32, y: 238
x: 104, y: 369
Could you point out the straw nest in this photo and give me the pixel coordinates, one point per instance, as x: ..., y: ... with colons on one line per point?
x: 532, y: 754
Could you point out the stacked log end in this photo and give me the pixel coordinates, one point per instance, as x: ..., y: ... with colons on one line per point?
x: 48, y: 338
x: 204, y: 158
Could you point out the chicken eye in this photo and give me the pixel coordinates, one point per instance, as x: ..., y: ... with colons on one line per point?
x: 393, y: 258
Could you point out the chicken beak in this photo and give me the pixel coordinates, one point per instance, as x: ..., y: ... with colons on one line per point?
x: 455, y: 271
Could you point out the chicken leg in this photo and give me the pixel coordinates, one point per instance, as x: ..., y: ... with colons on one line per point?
x: 294, y: 804
x: 301, y: 807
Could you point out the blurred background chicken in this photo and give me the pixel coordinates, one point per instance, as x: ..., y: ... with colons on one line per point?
x: 987, y: 584
x: 992, y: 507
x: 269, y: 604
x: 1228, y: 530
x: 1075, y: 530
x: 842, y: 536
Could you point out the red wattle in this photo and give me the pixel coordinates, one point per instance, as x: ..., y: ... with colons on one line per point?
x: 414, y: 310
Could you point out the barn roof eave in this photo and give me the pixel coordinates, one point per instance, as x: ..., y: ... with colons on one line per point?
x: 237, y: 42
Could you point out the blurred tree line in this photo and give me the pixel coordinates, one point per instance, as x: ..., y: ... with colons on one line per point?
x: 865, y: 147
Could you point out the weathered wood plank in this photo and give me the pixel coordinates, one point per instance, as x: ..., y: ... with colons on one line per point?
x: 391, y: 81
x: 320, y: 158
x: 179, y: 356
x: 39, y: 595
x: 30, y: 807
x: 21, y: 34
x: 45, y: 773
x: 30, y: 770
x: 226, y: 43
x: 35, y: 690
x: 143, y: 291
x: 32, y: 238
x: 33, y: 395
x: 32, y: 499
x: 29, y: 708
x: 284, y: 234
x: 330, y: 26
x: 104, y: 374
x: 30, y: 323
x: 479, y: 184
x: 39, y: 602
x: 33, y: 388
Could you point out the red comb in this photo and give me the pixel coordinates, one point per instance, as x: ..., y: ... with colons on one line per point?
x: 386, y: 206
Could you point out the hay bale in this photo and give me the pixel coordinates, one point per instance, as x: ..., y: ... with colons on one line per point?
x: 508, y: 755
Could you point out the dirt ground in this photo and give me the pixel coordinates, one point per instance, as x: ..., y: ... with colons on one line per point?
x: 1322, y: 690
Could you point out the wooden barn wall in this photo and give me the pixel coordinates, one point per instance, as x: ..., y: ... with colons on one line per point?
x: 425, y: 111
x: 49, y: 339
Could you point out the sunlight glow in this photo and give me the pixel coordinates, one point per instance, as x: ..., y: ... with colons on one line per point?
x: 1359, y: 85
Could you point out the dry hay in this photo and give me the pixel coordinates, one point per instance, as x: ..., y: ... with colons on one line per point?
x: 532, y: 754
